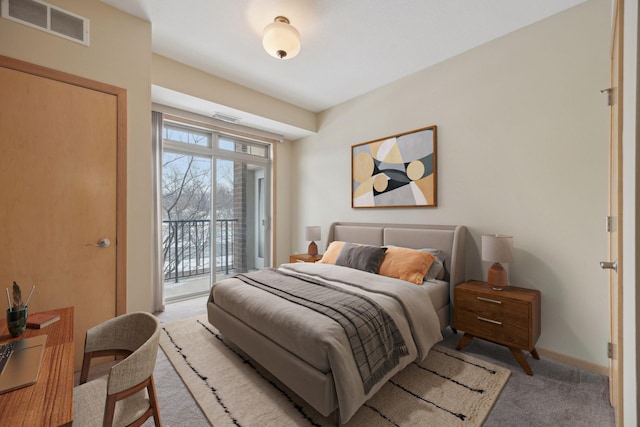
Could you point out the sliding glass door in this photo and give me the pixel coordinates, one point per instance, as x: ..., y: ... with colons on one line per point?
x: 198, y: 251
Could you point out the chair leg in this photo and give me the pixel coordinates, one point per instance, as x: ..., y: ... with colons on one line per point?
x: 153, y: 402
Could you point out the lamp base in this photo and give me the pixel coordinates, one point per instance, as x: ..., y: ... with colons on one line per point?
x: 497, y: 277
x: 313, y: 249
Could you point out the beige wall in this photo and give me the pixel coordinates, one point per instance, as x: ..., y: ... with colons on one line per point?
x: 181, y: 78
x: 284, y: 201
x: 119, y: 55
x: 522, y: 150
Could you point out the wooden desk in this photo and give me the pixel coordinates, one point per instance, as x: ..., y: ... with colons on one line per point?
x: 48, y: 402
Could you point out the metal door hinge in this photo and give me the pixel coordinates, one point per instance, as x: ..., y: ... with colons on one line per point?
x: 610, y: 350
x: 611, y: 225
x: 609, y: 265
x: 609, y: 92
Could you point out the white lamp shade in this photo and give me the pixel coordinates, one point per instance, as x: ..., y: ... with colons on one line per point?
x: 281, y: 40
x: 497, y: 248
x: 312, y: 233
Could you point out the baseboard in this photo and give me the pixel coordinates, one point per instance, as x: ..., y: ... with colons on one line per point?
x: 572, y: 361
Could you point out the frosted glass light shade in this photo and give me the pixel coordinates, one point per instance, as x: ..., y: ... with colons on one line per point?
x: 280, y: 39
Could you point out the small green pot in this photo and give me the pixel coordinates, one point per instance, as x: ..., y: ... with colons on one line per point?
x: 17, y: 321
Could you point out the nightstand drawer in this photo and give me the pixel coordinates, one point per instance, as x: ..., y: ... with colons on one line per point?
x: 515, y: 313
x: 506, y: 317
x: 500, y: 329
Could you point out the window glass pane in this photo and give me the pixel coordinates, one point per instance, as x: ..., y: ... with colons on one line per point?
x: 186, y: 135
x: 186, y: 224
x: 227, y: 145
x: 258, y: 151
x: 241, y: 146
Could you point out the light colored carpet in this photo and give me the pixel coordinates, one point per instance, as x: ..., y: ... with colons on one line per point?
x: 448, y: 388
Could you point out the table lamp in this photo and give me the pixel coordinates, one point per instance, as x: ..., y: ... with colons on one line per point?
x: 312, y: 233
x: 497, y: 249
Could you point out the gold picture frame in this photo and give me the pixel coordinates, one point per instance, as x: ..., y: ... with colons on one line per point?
x: 397, y: 171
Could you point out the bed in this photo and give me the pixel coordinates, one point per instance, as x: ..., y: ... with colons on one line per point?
x: 309, y: 351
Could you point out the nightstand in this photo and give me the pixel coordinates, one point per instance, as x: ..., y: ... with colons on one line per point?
x: 304, y: 258
x: 510, y: 317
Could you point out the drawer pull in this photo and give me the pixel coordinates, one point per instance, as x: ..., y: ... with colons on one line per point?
x: 495, y: 322
x: 489, y: 300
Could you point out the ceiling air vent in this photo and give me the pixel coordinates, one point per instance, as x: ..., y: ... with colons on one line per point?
x: 48, y: 18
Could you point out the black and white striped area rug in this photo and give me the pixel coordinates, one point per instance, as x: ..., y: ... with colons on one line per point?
x: 448, y: 389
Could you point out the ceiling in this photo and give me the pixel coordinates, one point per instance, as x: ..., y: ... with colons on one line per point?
x: 349, y: 47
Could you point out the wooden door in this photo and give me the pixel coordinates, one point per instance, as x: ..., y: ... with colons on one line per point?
x: 59, y: 189
x: 615, y: 215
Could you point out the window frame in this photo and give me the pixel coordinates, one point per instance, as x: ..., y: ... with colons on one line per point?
x: 214, y: 153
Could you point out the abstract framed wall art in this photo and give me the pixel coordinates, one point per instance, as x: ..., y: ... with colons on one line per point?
x: 396, y: 171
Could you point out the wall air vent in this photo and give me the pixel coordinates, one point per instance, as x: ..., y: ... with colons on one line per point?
x: 47, y: 18
x: 225, y: 117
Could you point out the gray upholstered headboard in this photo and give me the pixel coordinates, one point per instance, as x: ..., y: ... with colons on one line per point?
x: 448, y: 238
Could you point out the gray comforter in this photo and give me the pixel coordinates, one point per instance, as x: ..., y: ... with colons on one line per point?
x: 321, y: 341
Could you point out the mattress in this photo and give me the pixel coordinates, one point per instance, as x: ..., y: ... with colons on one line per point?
x: 438, y: 291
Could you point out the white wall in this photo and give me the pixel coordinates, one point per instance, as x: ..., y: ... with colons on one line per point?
x: 522, y: 150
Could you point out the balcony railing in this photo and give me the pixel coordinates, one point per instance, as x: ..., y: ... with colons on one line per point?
x: 186, y: 247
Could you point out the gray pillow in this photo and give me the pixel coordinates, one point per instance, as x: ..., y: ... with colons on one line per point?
x: 365, y: 258
x: 437, y: 269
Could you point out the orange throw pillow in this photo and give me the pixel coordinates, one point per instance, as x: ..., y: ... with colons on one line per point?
x: 331, y: 255
x: 406, y: 264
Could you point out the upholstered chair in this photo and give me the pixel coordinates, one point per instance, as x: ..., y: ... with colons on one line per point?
x: 126, y: 396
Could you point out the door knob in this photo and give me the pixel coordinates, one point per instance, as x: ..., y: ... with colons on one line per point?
x: 609, y: 265
x: 102, y: 243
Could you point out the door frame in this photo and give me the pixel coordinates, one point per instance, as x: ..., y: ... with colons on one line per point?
x: 260, y: 197
x: 121, y: 167
x: 615, y: 221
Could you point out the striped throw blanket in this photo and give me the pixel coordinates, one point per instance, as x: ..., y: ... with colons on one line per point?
x: 375, y: 340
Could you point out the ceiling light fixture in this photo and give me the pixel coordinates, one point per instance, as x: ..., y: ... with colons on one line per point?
x: 280, y: 39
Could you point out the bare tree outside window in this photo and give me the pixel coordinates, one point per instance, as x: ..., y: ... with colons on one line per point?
x: 186, y: 203
x: 188, y: 182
